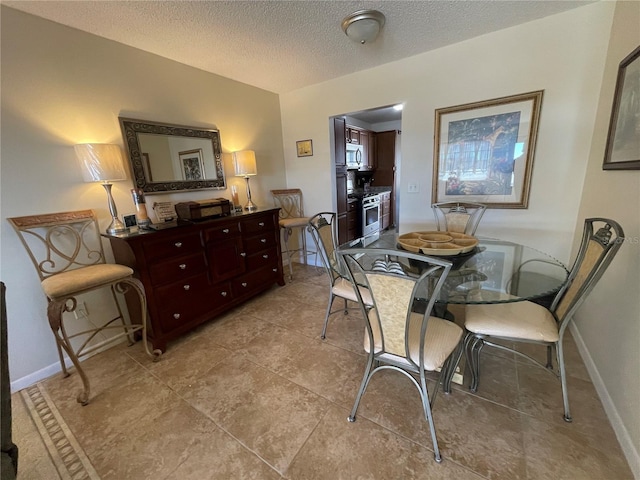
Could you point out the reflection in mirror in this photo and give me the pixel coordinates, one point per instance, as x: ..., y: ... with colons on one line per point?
x: 172, y: 158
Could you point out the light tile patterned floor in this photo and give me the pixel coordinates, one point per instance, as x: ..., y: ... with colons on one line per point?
x: 257, y: 394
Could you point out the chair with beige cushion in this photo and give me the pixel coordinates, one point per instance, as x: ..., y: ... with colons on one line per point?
x: 66, y: 250
x: 292, y: 217
x: 323, y: 229
x: 404, y: 336
x: 523, y: 321
x: 460, y: 217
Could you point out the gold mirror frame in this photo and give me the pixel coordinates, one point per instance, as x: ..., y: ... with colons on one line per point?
x: 130, y: 130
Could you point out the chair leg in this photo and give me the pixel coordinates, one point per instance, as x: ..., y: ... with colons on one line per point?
x: 563, y: 381
x: 363, y: 387
x: 449, y: 368
x: 287, y: 234
x: 326, y: 317
x: 125, y: 327
x: 426, y: 406
x: 304, y: 246
x: 54, y: 312
x: 474, y: 346
x: 144, y: 316
x: 62, y: 364
x: 549, y: 356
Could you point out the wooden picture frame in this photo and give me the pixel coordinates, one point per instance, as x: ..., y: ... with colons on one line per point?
x: 623, y: 140
x: 484, y: 151
x: 304, y: 148
x: 191, y: 164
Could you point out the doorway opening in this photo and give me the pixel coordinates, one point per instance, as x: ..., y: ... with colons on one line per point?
x: 366, y: 151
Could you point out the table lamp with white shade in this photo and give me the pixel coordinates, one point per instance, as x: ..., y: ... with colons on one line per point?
x: 101, y: 162
x: 244, y: 163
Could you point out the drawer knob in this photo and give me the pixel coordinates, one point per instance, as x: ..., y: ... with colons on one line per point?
x: 182, y: 266
x: 243, y: 254
x: 226, y: 230
x: 261, y: 224
x: 244, y: 284
x: 265, y: 256
x: 263, y: 240
x: 224, y: 294
x: 178, y: 244
x: 176, y: 316
x: 186, y: 287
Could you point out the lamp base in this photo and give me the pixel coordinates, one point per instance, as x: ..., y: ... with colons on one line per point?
x: 116, y: 227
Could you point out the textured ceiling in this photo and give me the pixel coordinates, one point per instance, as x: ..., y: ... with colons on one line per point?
x: 285, y: 45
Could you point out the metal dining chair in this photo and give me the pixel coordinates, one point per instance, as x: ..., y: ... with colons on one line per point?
x: 460, y: 217
x: 323, y: 229
x: 66, y: 250
x: 529, y: 322
x: 399, y: 336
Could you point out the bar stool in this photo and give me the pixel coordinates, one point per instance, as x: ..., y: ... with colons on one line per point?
x: 292, y: 217
x: 66, y: 250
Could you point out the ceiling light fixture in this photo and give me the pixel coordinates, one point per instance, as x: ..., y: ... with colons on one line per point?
x: 363, y: 26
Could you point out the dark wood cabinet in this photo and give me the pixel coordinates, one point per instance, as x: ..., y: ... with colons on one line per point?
x: 353, y: 135
x: 353, y: 219
x: 387, y: 154
x: 339, y: 134
x: 194, y: 272
x: 385, y: 210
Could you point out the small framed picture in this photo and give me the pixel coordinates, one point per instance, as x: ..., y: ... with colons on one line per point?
x: 304, y: 148
x: 192, y: 164
x: 130, y: 220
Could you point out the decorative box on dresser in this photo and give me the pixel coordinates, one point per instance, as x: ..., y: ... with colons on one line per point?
x: 196, y: 271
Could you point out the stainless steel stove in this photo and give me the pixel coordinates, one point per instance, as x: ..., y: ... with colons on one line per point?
x: 370, y: 217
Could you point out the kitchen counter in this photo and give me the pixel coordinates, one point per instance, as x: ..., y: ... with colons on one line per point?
x: 359, y: 192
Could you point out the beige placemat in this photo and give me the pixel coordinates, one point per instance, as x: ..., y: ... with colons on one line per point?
x: 65, y: 451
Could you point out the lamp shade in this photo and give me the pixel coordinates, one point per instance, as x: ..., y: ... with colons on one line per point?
x: 244, y: 163
x: 100, y: 162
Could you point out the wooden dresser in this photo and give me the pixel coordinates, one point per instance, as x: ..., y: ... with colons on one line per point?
x: 194, y: 272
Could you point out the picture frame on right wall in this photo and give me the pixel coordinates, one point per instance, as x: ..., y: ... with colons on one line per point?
x: 623, y: 141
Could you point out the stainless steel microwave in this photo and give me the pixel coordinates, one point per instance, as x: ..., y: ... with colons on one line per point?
x: 354, y: 155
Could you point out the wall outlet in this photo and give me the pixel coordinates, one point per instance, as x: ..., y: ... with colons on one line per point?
x: 81, y: 310
x: 413, y: 188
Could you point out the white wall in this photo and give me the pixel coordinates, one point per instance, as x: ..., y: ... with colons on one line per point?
x: 60, y: 87
x: 608, y: 324
x: 566, y: 62
x: 565, y: 55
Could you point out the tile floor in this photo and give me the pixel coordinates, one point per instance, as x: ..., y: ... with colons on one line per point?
x: 257, y: 394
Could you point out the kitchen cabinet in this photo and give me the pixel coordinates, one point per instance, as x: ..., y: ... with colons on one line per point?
x: 387, y: 156
x: 341, y: 203
x: 366, y: 150
x: 353, y: 135
x: 339, y: 132
x: 194, y: 272
x: 385, y: 210
x: 353, y: 219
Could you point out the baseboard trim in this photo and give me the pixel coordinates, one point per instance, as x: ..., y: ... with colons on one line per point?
x: 632, y: 455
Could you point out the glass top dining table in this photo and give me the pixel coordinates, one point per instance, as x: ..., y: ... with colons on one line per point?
x: 495, y: 271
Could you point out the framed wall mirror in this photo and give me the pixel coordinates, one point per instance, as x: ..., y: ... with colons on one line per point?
x: 172, y: 158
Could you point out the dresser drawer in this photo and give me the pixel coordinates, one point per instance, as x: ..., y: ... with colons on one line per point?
x: 256, y: 225
x: 255, y: 280
x: 170, y: 246
x: 184, y: 312
x: 188, y: 289
x: 258, y: 260
x: 259, y: 242
x: 177, y: 268
x: 222, y: 232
